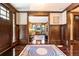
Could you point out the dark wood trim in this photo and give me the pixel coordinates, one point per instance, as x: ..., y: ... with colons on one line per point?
x: 75, y: 13
x: 3, y: 5
x: 40, y: 11
x: 48, y: 14
x: 9, y: 45
x: 67, y: 7
x: 49, y: 28
x: 74, y: 23
x: 14, y: 44
x: 28, y: 26
x: 72, y: 6
x: 8, y: 5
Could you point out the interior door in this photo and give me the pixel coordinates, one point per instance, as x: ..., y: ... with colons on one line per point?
x: 76, y: 27
x: 75, y: 34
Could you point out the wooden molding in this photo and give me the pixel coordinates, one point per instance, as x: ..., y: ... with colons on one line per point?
x: 66, y: 8
x: 40, y: 11
x: 72, y: 6
x: 9, y: 6
x: 13, y: 45
x: 38, y: 14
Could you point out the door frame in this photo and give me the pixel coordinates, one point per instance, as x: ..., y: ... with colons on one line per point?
x: 39, y: 14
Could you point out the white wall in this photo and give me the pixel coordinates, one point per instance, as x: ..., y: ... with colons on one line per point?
x: 55, y: 18
x: 21, y: 18
x: 58, y: 18
x: 38, y: 19
x: 64, y: 18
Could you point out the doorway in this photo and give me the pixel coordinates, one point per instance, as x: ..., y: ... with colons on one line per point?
x: 38, y: 28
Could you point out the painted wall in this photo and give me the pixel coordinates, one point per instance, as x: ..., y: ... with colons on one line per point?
x: 55, y: 18
x: 21, y: 19
x: 39, y: 19
x: 58, y: 18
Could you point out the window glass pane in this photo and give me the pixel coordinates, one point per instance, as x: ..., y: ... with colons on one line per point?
x: 7, y: 14
x: 3, y: 16
x: 3, y: 12
x: 7, y: 18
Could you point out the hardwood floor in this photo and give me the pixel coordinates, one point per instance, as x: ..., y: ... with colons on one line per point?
x: 72, y: 51
x: 65, y: 50
x: 18, y: 49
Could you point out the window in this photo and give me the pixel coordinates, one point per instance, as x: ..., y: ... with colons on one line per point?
x: 4, y: 13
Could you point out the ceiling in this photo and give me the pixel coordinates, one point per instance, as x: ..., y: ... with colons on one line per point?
x: 40, y: 6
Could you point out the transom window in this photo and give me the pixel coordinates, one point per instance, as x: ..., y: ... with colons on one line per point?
x: 4, y: 13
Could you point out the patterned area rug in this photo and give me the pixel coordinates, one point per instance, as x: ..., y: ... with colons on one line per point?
x: 42, y: 50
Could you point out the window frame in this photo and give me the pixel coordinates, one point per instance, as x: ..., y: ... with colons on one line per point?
x: 5, y: 16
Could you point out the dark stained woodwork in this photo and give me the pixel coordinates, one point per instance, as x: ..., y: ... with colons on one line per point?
x: 22, y: 34
x: 40, y: 11
x: 57, y: 34
x: 6, y: 31
x: 9, y: 6
x: 67, y: 33
x: 63, y: 34
x: 76, y: 50
x: 17, y: 32
x: 72, y: 6
x: 8, y: 51
x: 38, y: 14
x: 64, y: 49
x: 18, y: 49
x: 76, y: 27
x: 54, y: 34
x: 5, y: 38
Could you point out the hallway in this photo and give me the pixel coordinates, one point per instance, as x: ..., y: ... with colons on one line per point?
x: 23, y: 25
